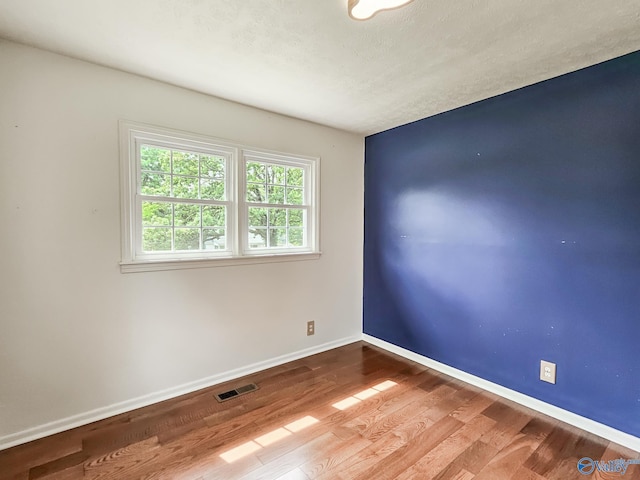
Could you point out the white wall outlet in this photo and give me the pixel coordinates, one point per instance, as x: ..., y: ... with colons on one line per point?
x: 547, y: 371
x: 311, y: 328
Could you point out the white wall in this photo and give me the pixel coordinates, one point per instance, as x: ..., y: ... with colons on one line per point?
x: 78, y: 335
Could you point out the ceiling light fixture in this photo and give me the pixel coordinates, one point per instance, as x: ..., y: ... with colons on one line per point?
x: 365, y: 9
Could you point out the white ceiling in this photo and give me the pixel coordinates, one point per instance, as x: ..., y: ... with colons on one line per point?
x: 308, y: 59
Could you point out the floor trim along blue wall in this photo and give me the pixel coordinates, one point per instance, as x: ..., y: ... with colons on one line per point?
x: 586, y: 424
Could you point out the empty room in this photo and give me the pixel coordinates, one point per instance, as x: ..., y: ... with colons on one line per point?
x: 341, y: 239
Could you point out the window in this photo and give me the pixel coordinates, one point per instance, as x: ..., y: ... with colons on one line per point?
x: 192, y: 201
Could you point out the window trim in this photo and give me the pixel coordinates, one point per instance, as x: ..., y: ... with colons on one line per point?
x: 308, y: 204
x: 132, y: 134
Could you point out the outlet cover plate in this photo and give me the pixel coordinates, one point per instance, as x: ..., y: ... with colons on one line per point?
x: 547, y: 371
x: 311, y: 328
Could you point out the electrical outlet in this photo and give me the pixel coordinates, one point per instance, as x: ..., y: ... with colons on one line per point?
x: 547, y: 371
x: 311, y: 328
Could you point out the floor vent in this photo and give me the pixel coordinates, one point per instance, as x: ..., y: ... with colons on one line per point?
x: 224, y: 396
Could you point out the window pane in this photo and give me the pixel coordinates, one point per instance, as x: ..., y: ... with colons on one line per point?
x: 156, y: 214
x: 256, y: 172
x: 277, y: 237
x: 275, y: 174
x: 185, y: 187
x: 294, y: 196
x: 257, y: 237
x: 211, y: 166
x: 187, y: 239
x: 277, y: 217
x: 156, y: 239
x: 214, y: 239
x: 213, y: 216
x: 186, y: 215
x: 295, y: 218
x: 155, y: 184
x: 185, y: 163
x: 212, y: 189
x: 157, y: 159
x: 256, y: 193
x: 258, y: 217
x: 296, y: 237
x: 275, y: 194
x: 294, y: 176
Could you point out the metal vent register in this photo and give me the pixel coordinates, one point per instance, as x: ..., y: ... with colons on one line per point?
x: 236, y: 392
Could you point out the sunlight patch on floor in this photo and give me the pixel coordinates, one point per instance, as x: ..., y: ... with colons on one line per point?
x: 273, y: 437
x: 363, y: 395
x: 346, y: 403
x: 386, y: 385
x: 369, y: 392
x: 240, y: 451
x: 267, y: 439
x: 278, y: 434
x: 303, y: 423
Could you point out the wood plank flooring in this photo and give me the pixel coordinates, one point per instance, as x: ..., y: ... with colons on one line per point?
x: 353, y: 413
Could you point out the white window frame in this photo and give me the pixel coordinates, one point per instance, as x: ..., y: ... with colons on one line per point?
x: 307, y: 202
x: 237, y: 251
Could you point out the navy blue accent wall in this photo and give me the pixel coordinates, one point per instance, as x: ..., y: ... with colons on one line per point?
x: 508, y: 231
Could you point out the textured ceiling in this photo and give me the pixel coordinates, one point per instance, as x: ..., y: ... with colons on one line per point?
x: 308, y: 59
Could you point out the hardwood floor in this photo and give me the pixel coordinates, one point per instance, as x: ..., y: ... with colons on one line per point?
x: 352, y: 413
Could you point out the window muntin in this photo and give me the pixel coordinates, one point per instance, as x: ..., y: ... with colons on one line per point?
x: 274, y: 183
x: 183, y: 200
x: 278, y: 201
x: 174, y: 227
x: 276, y: 228
x: 189, y: 197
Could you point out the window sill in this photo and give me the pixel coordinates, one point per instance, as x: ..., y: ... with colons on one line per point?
x: 182, y: 264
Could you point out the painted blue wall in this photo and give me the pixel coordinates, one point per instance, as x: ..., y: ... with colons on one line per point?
x: 508, y: 231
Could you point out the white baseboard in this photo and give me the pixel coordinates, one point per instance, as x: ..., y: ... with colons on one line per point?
x: 566, y: 416
x: 101, y: 413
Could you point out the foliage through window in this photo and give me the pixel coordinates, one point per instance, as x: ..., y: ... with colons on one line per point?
x: 187, y: 197
x: 277, y: 212
x: 183, y: 200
